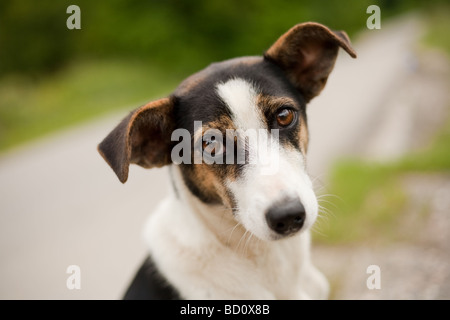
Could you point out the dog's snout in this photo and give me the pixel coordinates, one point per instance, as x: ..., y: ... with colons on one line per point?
x: 286, y: 217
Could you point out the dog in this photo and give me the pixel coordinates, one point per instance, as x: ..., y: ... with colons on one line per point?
x: 230, y: 230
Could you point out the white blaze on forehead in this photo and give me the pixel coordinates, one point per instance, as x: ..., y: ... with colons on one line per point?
x: 240, y: 96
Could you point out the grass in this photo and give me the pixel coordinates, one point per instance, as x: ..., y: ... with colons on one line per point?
x: 370, y: 195
x: 30, y: 108
x: 438, y: 25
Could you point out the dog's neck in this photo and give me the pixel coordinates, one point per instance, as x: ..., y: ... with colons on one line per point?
x: 217, y: 219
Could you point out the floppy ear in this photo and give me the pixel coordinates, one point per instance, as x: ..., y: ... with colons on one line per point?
x: 142, y: 138
x: 307, y: 53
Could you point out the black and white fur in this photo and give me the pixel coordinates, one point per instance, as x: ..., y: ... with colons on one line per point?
x: 228, y: 231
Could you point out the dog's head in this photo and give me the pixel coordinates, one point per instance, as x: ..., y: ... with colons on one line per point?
x: 238, y: 131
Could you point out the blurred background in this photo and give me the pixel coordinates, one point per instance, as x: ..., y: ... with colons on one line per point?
x: 380, y: 137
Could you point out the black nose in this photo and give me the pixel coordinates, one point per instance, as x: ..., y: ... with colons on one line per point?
x: 286, y: 217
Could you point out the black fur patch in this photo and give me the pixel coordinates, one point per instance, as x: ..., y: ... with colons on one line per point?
x: 149, y: 284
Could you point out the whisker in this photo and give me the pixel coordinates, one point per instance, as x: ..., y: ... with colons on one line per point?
x: 247, y: 243
x: 240, y: 240
x: 321, y: 201
x: 330, y: 195
x: 327, y: 212
x: 318, y: 177
x: 231, y: 233
x: 316, y: 228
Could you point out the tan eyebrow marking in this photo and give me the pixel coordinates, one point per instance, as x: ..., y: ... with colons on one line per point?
x: 272, y: 104
x: 304, y: 135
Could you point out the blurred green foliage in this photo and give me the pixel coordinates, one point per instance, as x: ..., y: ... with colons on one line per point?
x: 128, y: 51
x: 438, y: 21
x: 83, y: 90
x: 180, y: 35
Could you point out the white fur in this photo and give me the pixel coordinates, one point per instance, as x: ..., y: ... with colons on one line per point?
x: 240, y: 97
x: 205, y: 254
x: 255, y: 193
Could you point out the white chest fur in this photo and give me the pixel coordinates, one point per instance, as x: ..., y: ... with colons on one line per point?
x: 204, y: 264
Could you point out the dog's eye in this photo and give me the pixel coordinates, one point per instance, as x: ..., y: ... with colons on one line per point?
x: 212, y: 146
x: 285, y: 117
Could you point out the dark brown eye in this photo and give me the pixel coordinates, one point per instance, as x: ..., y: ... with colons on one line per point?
x: 285, y: 117
x: 213, y: 146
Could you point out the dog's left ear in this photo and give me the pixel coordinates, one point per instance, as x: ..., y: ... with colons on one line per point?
x: 307, y: 53
x: 142, y: 138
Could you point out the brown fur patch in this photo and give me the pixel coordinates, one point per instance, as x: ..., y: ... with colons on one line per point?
x: 142, y: 138
x: 207, y: 180
x: 209, y: 183
x: 304, y: 136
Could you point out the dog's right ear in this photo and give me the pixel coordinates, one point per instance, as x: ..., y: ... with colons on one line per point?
x: 307, y: 53
x: 142, y: 138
